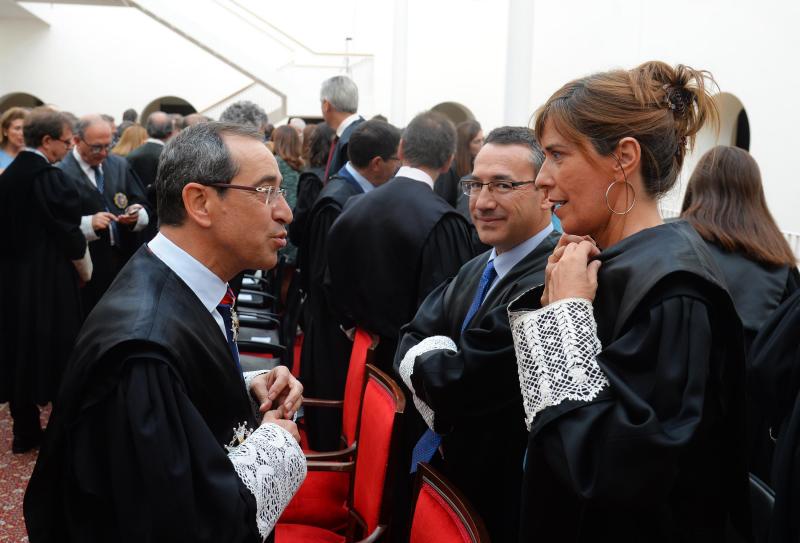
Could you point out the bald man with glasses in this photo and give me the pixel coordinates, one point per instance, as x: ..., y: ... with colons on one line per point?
x: 113, y: 204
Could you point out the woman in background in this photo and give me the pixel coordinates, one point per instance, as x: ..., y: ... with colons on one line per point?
x: 134, y: 136
x: 469, y: 140
x: 11, y: 139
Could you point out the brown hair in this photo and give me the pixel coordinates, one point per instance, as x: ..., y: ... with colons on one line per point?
x: 308, y: 133
x: 288, y: 146
x: 662, y: 107
x: 134, y: 136
x: 465, y: 132
x: 8, y: 117
x: 725, y: 203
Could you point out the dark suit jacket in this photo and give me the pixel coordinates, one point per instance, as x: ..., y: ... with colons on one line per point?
x: 340, y: 157
x: 144, y: 161
x: 122, y: 189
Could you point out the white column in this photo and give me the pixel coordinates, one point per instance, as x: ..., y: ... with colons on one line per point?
x: 399, y: 63
x: 519, y: 62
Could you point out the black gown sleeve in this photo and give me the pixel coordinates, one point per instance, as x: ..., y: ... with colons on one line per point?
x: 168, y: 479
x: 447, y: 248
x: 59, y: 203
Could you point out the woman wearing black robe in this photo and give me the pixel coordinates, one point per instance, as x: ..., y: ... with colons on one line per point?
x: 40, y: 217
x: 631, y: 362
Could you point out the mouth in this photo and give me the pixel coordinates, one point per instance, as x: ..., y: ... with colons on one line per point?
x: 280, y: 239
x: 555, y: 205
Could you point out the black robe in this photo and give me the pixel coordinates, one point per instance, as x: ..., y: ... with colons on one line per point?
x: 326, y: 349
x: 40, y: 219
x: 483, y: 434
x: 134, y: 449
x: 774, y: 383
x: 658, y: 454
x: 387, y: 251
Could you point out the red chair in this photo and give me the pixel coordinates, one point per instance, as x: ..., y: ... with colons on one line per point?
x: 441, y: 513
x: 370, y: 472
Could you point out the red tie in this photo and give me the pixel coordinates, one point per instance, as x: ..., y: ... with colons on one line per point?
x: 330, y: 157
x: 229, y: 298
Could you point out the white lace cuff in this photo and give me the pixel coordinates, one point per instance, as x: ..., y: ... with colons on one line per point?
x: 556, y: 348
x: 272, y: 466
x: 406, y: 369
x: 248, y: 378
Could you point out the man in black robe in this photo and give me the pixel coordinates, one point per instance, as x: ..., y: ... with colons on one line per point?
x: 459, y: 344
x: 339, y: 99
x: 113, y: 206
x: 326, y: 347
x: 39, y: 273
x: 154, y: 436
x: 391, y: 247
x: 144, y: 161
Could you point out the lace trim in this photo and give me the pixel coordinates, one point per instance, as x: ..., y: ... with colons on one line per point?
x: 272, y: 466
x: 556, y: 348
x: 406, y: 369
x: 248, y: 378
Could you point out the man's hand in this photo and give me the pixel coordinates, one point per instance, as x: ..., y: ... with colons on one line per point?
x: 102, y: 219
x: 131, y: 215
x: 278, y: 417
x: 277, y: 387
x: 554, y: 258
x: 575, y: 274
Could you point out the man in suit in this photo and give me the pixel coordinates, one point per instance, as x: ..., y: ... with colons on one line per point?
x: 459, y: 344
x: 339, y: 102
x: 113, y: 205
x: 326, y: 348
x: 144, y: 161
x: 157, y: 435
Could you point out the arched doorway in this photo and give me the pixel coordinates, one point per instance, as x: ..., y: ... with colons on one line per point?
x: 454, y: 111
x: 168, y: 104
x: 19, y: 99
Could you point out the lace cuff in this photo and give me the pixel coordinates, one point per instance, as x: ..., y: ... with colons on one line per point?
x: 556, y: 348
x: 272, y: 466
x: 248, y: 378
x: 406, y: 369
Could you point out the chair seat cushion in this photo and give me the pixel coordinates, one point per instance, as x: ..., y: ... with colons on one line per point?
x: 321, y: 501
x: 300, y: 533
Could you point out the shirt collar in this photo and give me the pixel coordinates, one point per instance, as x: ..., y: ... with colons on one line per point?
x: 345, y: 123
x: 505, y: 262
x: 154, y: 140
x: 362, y: 181
x: 205, y: 284
x: 38, y: 152
x: 415, y: 174
x: 84, y: 166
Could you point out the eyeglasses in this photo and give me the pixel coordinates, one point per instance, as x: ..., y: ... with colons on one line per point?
x: 272, y: 192
x: 68, y: 142
x: 473, y: 188
x: 97, y: 149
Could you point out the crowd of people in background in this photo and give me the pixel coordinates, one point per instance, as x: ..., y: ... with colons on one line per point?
x: 581, y: 369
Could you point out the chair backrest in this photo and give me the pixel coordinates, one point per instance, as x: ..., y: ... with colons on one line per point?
x: 762, y: 502
x: 362, y: 353
x: 378, y: 439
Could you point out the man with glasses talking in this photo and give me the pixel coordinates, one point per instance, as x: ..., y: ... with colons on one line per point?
x: 113, y: 203
x: 156, y: 434
x: 457, y: 355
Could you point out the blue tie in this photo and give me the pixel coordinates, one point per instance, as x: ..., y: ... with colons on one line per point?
x: 225, y: 309
x: 430, y: 441
x: 100, y: 180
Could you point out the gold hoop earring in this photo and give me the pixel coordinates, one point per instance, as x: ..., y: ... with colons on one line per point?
x: 633, y: 203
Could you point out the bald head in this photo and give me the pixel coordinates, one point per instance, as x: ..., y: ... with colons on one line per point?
x: 159, y: 125
x: 93, y: 139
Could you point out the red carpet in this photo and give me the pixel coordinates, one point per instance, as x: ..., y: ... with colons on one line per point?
x: 15, y: 470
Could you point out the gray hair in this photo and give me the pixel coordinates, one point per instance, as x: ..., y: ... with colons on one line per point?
x: 159, y: 125
x: 247, y: 113
x: 198, y: 154
x: 429, y: 140
x: 341, y: 92
x: 85, y: 122
x: 518, y: 135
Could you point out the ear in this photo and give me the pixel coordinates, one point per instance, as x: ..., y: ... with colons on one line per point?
x: 197, y: 203
x: 400, y: 150
x: 375, y: 164
x: 629, y: 154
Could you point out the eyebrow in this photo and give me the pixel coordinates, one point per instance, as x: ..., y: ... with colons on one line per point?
x: 555, y: 146
x: 496, y: 177
x: 266, y: 180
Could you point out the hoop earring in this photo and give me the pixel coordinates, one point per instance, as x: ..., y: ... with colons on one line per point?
x: 608, y: 204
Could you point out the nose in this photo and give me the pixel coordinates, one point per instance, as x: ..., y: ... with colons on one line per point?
x: 281, y: 212
x: 484, y: 199
x: 544, y: 180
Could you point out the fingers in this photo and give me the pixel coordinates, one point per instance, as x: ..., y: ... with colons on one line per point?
x: 591, y: 272
x: 276, y: 417
x: 287, y: 389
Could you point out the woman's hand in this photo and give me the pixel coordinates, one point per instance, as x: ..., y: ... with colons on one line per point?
x: 574, y: 275
x: 554, y: 258
x: 279, y: 388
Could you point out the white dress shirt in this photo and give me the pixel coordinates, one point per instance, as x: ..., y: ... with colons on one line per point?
x: 415, y: 174
x: 362, y: 181
x: 345, y: 123
x: 205, y: 284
